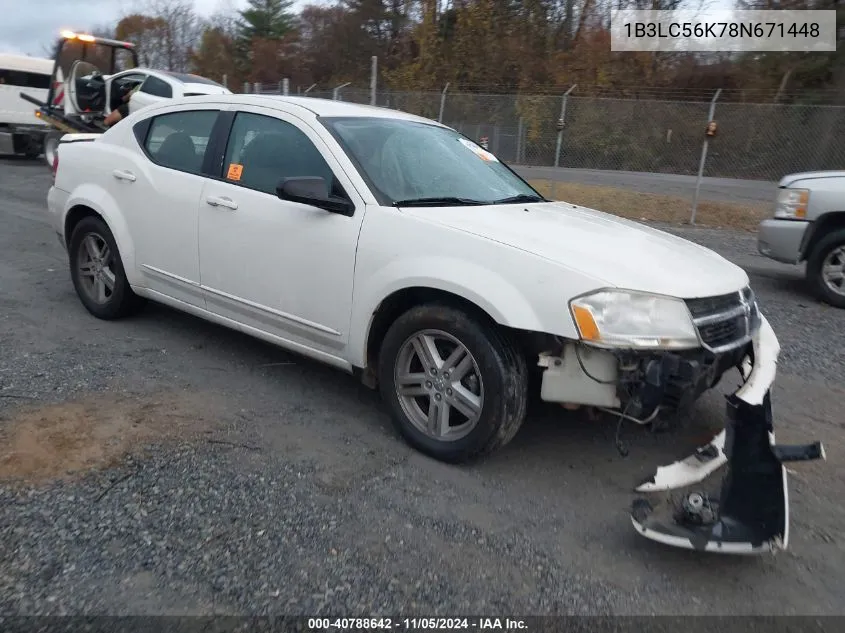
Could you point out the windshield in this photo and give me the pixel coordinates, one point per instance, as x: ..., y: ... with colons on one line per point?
x: 411, y: 163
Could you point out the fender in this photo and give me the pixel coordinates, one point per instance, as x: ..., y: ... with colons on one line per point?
x: 98, y: 199
x: 505, y: 303
x: 817, y: 229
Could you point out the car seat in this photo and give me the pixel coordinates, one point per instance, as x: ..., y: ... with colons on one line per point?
x: 178, y: 152
x: 269, y: 157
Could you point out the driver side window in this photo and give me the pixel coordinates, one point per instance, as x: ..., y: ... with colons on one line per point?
x: 262, y: 150
x: 123, y: 86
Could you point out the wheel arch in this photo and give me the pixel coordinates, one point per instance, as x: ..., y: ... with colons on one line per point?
x: 74, y: 216
x: 402, y: 300
x: 90, y: 201
x: 820, y: 228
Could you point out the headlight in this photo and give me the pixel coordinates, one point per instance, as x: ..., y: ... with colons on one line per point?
x: 621, y: 318
x: 791, y: 204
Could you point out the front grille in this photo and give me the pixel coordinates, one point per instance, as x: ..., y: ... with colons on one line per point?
x: 708, y: 305
x: 725, y: 322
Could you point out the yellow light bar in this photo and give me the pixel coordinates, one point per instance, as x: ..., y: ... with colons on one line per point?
x: 70, y: 35
x: 86, y: 38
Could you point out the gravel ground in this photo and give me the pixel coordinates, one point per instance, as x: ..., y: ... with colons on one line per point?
x: 211, y: 473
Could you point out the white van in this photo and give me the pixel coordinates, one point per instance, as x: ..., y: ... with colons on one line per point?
x: 20, y: 131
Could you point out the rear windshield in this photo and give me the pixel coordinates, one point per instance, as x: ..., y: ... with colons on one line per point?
x: 23, y: 79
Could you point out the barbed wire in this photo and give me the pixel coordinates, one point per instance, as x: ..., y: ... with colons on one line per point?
x: 815, y: 96
x: 758, y: 141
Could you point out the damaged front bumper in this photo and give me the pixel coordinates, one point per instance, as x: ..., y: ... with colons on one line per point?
x: 751, y: 515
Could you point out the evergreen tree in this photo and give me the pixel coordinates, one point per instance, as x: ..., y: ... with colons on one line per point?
x: 266, y: 19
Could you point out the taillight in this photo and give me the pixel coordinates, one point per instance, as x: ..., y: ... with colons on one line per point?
x: 55, y: 165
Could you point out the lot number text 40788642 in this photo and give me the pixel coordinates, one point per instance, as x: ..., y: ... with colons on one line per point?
x: 413, y: 624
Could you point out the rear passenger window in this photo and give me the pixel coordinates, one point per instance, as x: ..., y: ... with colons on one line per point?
x: 179, y: 140
x: 157, y: 87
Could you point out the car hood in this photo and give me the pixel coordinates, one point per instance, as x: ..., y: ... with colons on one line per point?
x: 612, y: 250
x: 789, y: 179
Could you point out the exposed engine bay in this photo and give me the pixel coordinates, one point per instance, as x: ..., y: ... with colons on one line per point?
x: 649, y: 386
x: 656, y: 387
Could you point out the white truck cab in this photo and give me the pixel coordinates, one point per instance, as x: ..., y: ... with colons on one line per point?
x: 20, y: 131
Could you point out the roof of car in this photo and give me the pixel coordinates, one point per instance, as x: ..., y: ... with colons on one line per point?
x: 318, y: 107
x: 187, y: 78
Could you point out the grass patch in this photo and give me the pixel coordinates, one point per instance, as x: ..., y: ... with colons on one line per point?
x: 655, y: 207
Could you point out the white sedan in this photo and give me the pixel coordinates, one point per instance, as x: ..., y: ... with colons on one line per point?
x: 392, y: 247
x: 92, y: 96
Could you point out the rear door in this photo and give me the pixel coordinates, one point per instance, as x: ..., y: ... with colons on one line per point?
x: 158, y: 189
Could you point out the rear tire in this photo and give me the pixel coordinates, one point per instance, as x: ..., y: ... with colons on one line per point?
x: 826, y: 269
x: 97, y: 271
x: 456, y: 387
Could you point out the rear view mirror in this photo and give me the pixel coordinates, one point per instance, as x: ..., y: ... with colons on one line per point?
x: 314, y: 191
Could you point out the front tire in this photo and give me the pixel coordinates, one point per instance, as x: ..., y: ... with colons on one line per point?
x: 97, y: 271
x: 826, y: 269
x: 456, y: 387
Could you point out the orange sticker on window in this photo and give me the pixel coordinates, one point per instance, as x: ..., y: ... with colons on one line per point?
x: 235, y: 171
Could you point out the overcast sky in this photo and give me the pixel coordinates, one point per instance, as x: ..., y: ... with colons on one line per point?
x: 35, y: 24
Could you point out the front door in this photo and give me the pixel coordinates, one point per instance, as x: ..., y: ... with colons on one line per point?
x: 121, y: 84
x: 279, y: 267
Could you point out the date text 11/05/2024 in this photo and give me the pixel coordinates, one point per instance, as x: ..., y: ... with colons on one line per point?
x: 674, y: 30
x: 417, y: 624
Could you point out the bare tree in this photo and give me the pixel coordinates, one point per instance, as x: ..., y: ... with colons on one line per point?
x: 174, y: 32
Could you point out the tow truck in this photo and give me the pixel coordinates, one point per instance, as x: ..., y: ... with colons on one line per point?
x: 93, y: 76
x: 79, y: 62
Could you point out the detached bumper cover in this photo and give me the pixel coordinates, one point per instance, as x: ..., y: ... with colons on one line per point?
x: 751, y: 515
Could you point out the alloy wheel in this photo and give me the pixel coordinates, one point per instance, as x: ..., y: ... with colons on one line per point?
x: 439, y: 385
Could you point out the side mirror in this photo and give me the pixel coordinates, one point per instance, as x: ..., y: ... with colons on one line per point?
x: 314, y: 191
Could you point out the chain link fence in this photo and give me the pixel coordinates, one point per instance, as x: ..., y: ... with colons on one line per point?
x: 753, y: 141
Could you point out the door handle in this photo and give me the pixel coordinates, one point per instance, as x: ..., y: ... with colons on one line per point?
x: 221, y: 201
x: 123, y: 175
